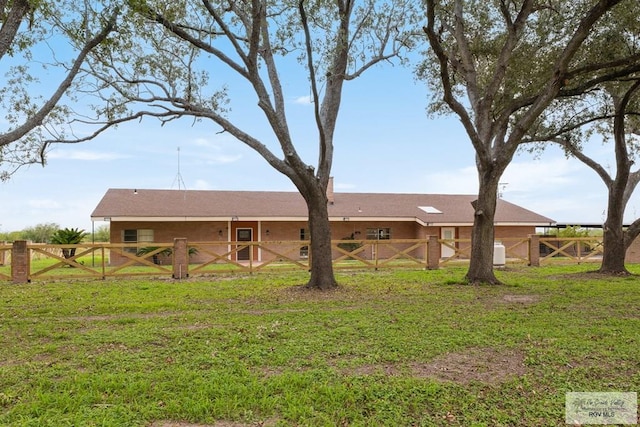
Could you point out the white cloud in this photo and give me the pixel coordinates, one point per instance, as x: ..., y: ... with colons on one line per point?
x: 540, y: 174
x: 43, y: 204
x: 303, y: 100
x: 343, y: 186
x: 460, y: 181
x: 212, y: 152
x: 222, y: 158
x: 83, y: 155
x: 203, y: 142
x: 520, y: 177
x: 562, y: 189
x: 201, y: 184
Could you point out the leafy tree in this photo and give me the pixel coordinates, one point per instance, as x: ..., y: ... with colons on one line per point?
x: 499, y: 65
x: 101, y: 234
x: 68, y: 236
x: 26, y: 29
x: 573, y: 231
x: 620, y: 183
x: 612, y: 109
x: 10, y: 236
x: 40, y: 233
x: 167, y: 62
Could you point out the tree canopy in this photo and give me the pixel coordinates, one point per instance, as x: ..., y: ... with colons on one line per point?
x: 499, y: 66
x: 33, y: 36
x: 181, y: 58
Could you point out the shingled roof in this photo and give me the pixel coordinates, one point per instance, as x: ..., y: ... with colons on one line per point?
x: 197, y: 205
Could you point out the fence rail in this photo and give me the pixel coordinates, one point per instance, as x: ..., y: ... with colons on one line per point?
x: 102, y: 260
x: 579, y: 249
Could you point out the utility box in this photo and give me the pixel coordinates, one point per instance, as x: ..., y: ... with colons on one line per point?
x: 499, y: 254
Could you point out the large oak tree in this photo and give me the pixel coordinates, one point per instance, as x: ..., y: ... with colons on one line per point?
x: 620, y: 184
x: 168, y: 61
x: 499, y: 65
x: 610, y: 108
x: 613, y: 111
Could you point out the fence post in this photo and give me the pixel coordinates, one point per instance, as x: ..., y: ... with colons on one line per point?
x: 375, y: 253
x: 20, y: 262
x: 180, y: 258
x: 534, y: 250
x: 433, y: 253
x: 2, y: 254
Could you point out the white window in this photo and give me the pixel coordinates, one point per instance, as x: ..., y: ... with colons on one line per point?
x: 145, y: 235
x: 430, y: 209
x: 136, y: 236
x: 304, y: 250
x: 378, y: 233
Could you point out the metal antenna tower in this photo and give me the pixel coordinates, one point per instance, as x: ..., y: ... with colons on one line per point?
x: 178, y: 179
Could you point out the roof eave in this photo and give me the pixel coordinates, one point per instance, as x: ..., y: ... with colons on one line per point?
x: 130, y: 218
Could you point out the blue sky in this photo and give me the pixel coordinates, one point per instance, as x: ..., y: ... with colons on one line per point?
x: 385, y: 142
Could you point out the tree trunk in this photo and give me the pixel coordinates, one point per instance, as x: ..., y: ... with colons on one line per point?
x: 322, y: 276
x: 620, y: 190
x: 482, y: 235
x: 613, y: 237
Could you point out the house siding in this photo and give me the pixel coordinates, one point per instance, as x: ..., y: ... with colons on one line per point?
x: 281, y: 231
x: 508, y: 235
x: 167, y: 231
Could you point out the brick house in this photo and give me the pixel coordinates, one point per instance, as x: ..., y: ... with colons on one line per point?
x: 146, y: 216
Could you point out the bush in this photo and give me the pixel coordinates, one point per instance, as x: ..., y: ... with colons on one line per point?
x: 68, y: 236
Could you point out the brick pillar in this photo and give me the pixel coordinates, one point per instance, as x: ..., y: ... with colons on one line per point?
x: 534, y: 250
x: 433, y: 253
x: 20, y: 262
x: 180, y: 258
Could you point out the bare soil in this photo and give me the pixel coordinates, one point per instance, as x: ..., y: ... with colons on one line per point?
x: 523, y: 299
x: 487, y: 365
x: 221, y: 423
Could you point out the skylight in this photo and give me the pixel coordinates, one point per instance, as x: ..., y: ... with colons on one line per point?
x: 430, y: 209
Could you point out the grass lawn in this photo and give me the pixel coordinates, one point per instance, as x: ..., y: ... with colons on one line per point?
x: 396, y: 348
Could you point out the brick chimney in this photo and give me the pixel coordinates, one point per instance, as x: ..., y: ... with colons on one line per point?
x: 330, y: 197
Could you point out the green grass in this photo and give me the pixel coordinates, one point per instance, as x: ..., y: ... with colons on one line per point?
x: 41, y: 269
x: 258, y: 349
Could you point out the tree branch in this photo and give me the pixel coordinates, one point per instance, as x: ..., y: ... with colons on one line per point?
x: 447, y: 84
x: 312, y: 77
x: 49, y: 105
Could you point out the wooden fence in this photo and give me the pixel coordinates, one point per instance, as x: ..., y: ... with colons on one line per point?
x: 5, y: 259
x: 22, y: 262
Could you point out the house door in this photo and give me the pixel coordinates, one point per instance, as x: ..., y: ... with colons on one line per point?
x: 447, y: 233
x: 244, y: 235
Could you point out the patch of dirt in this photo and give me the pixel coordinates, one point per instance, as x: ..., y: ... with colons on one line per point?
x: 523, y: 299
x: 181, y: 424
x: 271, y: 372
x: 220, y: 423
x: 112, y: 317
x: 388, y: 370
x: 593, y: 274
x: 495, y: 301
x: 44, y: 359
x: 487, y: 365
x: 301, y: 292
